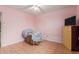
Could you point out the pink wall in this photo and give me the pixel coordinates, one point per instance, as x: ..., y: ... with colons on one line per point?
x: 13, y: 23
x: 51, y: 24
x: 77, y: 13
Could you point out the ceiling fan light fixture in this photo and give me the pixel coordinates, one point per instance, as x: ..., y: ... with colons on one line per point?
x: 35, y: 8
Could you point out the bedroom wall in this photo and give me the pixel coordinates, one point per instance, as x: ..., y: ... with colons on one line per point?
x: 51, y: 24
x: 13, y: 23
x: 77, y: 14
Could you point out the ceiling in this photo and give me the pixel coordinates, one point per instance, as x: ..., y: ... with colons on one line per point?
x: 38, y: 9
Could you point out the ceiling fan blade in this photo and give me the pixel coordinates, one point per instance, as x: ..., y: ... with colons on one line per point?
x: 26, y: 7
x: 40, y: 9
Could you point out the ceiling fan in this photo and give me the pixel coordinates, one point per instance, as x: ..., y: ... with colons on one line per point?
x: 35, y: 8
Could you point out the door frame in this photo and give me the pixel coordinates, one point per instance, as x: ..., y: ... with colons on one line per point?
x: 0, y: 27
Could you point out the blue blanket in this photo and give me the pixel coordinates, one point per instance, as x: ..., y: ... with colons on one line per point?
x: 35, y: 35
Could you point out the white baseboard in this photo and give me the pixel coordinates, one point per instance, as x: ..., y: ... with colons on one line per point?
x: 10, y: 43
x: 55, y: 39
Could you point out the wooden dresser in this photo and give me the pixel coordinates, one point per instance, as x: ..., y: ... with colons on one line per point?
x: 71, y: 37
